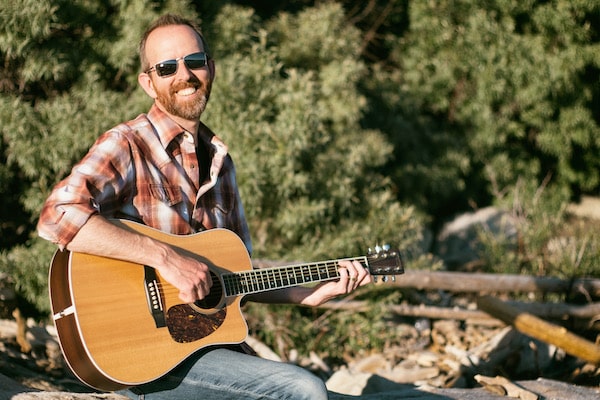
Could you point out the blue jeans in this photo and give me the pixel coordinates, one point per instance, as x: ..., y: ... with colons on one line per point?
x: 227, y: 374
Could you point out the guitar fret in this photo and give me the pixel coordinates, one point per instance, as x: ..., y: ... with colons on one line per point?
x: 280, y: 280
x: 250, y: 282
x: 273, y: 280
x: 227, y: 285
x: 266, y: 281
x: 245, y: 282
x: 238, y: 284
x: 242, y: 282
x: 323, y: 271
x: 262, y: 285
x: 229, y: 289
x: 256, y: 281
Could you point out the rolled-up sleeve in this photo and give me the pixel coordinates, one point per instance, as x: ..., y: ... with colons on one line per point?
x: 100, y: 175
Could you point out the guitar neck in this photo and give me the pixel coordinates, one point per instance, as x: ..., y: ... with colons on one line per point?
x: 263, y: 280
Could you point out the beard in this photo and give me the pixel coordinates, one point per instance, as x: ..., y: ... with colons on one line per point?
x: 190, y: 109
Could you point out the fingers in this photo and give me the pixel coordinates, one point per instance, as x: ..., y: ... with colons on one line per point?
x: 196, y: 292
x: 203, y: 286
x: 194, y: 281
x: 353, y: 275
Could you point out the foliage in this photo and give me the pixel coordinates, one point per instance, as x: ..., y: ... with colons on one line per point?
x: 65, y: 78
x: 476, y: 96
x: 292, y: 100
x: 551, y: 242
x: 27, y: 265
x: 335, y: 335
x: 351, y: 123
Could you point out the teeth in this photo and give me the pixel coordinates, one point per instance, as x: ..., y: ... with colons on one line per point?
x: 187, y: 91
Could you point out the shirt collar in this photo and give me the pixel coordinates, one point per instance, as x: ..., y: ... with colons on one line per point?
x: 166, y: 128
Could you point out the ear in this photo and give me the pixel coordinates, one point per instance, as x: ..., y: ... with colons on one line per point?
x: 211, y: 69
x: 146, y: 83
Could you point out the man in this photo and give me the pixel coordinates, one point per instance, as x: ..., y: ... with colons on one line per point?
x: 166, y: 169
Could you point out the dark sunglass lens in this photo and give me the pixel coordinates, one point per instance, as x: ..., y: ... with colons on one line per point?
x: 166, y: 68
x: 195, y: 61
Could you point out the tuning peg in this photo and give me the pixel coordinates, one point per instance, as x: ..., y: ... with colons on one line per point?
x: 379, y: 249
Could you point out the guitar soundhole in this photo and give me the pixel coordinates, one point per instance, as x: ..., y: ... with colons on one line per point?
x: 213, y: 300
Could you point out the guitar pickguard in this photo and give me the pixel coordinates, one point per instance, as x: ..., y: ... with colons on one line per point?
x: 187, y: 325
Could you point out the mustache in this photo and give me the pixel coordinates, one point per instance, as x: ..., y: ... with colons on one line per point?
x: 191, y: 82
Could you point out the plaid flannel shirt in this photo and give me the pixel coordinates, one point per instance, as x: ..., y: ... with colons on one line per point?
x: 148, y: 170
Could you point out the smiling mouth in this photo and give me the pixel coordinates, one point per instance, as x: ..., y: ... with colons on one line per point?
x: 187, y: 91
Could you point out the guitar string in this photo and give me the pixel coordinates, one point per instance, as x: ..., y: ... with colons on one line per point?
x: 265, y: 279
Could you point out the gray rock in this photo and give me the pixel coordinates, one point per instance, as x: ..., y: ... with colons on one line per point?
x: 458, y: 242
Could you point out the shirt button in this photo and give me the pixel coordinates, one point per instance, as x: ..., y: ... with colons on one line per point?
x: 188, y: 137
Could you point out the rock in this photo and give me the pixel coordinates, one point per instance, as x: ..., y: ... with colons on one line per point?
x: 588, y: 207
x: 458, y: 242
x: 409, y: 371
x: 67, y: 396
x: 349, y: 384
x: 9, y: 388
x: 357, y: 383
x: 373, y: 364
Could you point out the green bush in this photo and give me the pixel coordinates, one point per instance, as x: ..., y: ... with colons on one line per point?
x: 550, y: 241
x: 347, y: 130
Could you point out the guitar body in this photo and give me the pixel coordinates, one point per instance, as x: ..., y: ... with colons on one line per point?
x: 103, y: 315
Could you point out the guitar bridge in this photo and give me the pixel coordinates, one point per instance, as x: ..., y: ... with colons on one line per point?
x: 153, y: 297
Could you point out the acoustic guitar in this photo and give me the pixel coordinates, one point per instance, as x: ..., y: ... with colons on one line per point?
x: 120, y: 325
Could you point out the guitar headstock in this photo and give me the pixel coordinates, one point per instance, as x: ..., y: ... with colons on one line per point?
x: 383, y: 261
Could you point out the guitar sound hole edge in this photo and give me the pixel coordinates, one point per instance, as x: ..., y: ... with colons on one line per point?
x: 213, y: 302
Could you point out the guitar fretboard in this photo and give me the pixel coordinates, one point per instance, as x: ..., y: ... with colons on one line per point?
x: 262, y: 280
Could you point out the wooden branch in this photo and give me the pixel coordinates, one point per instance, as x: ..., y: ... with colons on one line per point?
x: 546, y: 310
x: 540, y: 329
x: 495, y: 283
x: 502, y: 386
x: 463, y: 282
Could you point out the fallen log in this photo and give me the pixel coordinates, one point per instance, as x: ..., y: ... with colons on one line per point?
x: 497, y: 283
x: 558, y: 311
x: 502, y: 386
x: 469, y: 282
x: 540, y: 329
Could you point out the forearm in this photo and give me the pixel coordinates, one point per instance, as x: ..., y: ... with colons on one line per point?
x: 294, y: 295
x: 352, y: 275
x: 98, y: 236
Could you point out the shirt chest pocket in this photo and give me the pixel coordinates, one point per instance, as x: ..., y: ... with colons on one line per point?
x: 167, y: 194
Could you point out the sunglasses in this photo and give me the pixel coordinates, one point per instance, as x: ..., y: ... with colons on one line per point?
x: 169, y: 67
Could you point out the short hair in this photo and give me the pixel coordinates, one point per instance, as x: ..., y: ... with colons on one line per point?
x: 167, y: 20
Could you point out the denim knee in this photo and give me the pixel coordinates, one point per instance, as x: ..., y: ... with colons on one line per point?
x: 306, y: 386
